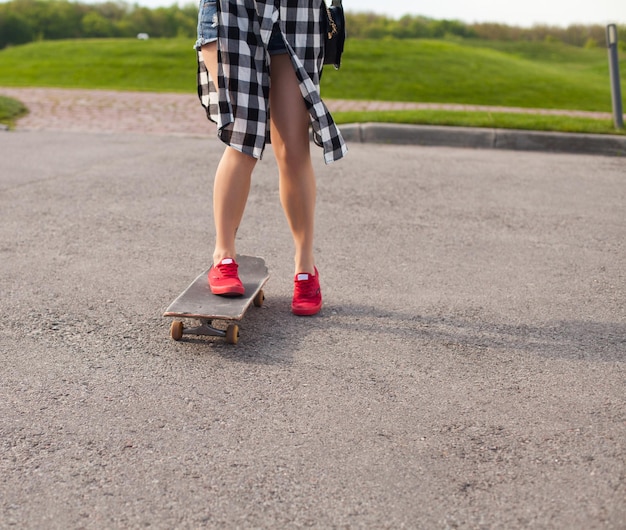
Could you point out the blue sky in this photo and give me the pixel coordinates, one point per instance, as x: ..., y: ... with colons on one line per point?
x: 518, y: 13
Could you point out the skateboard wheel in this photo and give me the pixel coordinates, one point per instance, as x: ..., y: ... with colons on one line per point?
x: 176, y: 330
x: 232, y: 334
x: 259, y: 299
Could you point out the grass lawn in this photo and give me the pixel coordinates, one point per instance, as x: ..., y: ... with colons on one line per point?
x: 119, y: 64
x: 548, y: 75
x: 496, y: 120
x: 10, y: 110
x: 161, y: 65
x: 521, y: 74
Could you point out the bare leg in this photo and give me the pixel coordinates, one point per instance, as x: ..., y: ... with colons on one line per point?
x: 232, y: 183
x: 290, y: 142
x: 230, y: 193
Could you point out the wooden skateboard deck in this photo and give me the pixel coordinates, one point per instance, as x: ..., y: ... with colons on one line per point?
x: 199, y: 303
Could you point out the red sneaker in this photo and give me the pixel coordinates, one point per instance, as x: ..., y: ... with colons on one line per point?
x: 307, y: 295
x: 224, y: 279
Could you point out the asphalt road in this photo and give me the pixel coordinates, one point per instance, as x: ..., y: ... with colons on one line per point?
x: 467, y: 371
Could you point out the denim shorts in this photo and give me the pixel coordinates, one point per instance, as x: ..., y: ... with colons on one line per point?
x: 207, y: 29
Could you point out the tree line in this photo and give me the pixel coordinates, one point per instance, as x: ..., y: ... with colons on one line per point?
x: 368, y: 25
x: 23, y: 21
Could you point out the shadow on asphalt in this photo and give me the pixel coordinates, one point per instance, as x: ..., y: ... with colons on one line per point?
x: 272, y: 336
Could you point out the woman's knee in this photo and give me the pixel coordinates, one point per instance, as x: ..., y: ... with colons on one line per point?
x: 238, y: 159
x: 292, y: 156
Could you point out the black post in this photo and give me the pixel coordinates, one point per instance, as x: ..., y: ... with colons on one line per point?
x: 616, y: 93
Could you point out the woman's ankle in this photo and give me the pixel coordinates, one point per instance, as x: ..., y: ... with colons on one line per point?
x: 305, y: 265
x: 219, y: 255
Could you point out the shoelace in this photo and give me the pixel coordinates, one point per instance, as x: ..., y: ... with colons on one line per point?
x: 307, y: 288
x: 228, y: 270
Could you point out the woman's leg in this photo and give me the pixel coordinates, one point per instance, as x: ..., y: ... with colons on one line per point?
x: 290, y: 142
x: 232, y: 183
x: 230, y: 193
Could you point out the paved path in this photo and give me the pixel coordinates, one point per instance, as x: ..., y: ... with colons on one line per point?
x: 107, y: 110
x: 467, y: 371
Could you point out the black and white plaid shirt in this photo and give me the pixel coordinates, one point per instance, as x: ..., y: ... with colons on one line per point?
x: 240, y: 106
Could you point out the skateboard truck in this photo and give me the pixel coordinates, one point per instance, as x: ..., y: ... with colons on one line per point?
x: 205, y: 327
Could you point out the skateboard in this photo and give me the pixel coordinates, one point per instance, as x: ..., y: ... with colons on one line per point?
x: 197, y: 302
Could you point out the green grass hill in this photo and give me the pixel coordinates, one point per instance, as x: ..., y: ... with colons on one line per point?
x: 547, y: 75
x: 543, y: 75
